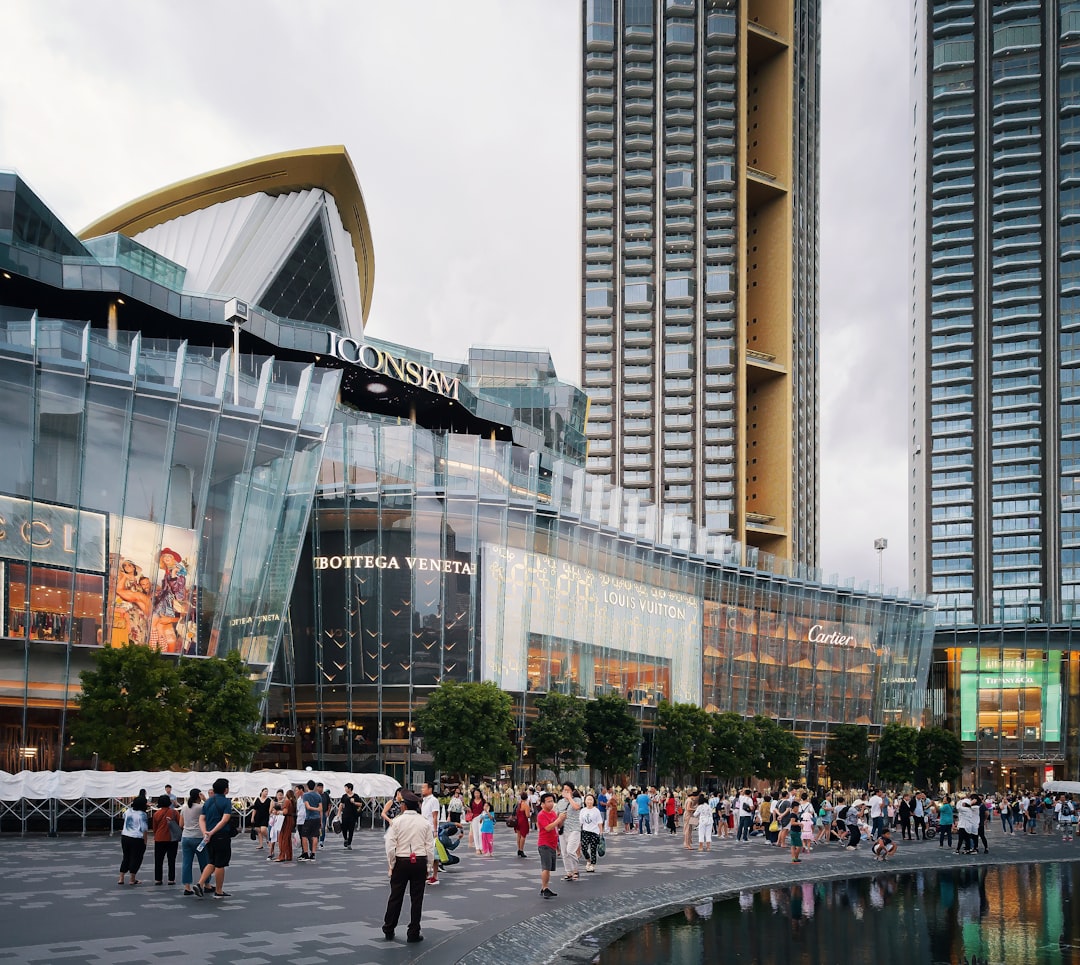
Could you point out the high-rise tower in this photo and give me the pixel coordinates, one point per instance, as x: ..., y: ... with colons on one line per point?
x: 995, y: 432
x: 699, y: 264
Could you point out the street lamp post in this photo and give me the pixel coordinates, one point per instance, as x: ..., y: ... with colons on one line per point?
x: 880, y: 544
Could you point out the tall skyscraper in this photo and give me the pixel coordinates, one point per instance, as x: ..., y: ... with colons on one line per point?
x: 699, y: 264
x: 995, y: 431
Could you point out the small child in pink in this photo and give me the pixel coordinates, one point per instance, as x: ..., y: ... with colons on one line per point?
x: 487, y: 831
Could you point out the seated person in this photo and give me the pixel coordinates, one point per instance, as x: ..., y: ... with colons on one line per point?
x: 450, y: 836
x: 884, y: 846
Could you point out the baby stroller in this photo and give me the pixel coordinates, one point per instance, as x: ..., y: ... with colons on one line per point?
x: 931, y: 829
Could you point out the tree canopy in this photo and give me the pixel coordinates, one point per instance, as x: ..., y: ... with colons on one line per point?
x: 141, y: 710
x: 612, y: 736
x: 778, y: 751
x: 736, y: 746
x: 847, y: 754
x: 468, y: 727
x: 683, y: 741
x: 940, y: 755
x: 557, y: 736
x: 898, y: 753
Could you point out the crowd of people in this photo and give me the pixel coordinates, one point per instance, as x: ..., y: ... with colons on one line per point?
x: 572, y: 825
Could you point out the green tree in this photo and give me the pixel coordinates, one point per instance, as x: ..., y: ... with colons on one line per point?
x: 557, y: 736
x: 612, y: 736
x: 736, y: 746
x: 898, y: 753
x: 940, y: 756
x: 778, y: 751
x: 683, y: 741
x: 133, y: 710
x: 224, y: 712
x: 847, y: 754
x: 468, y: 727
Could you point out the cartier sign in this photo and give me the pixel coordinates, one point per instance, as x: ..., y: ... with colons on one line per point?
x: 405, y: 370
x: 818, y: 634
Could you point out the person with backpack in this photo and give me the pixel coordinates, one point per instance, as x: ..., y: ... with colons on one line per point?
x: 1066, y: 818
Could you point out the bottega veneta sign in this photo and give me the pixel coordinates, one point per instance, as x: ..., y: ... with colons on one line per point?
x: 393, y: 563
x: 405, y: 370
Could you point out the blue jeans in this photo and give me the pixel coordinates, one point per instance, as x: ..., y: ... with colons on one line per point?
x: 1006, y: 821
x: 644, y: 819
x: 188, y: 852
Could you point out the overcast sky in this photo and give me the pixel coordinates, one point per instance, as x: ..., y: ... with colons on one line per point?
x: 462, y: 122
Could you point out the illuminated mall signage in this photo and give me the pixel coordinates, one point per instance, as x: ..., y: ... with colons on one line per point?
x: 398, y: 367
x: 55, y: 535
x: 428, y: 563
x: 818, y: 634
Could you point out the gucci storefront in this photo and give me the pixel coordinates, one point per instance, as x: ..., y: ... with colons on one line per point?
x: 203, y: 473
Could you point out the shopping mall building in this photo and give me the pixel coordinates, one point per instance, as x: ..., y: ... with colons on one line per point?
x: 204, y: 452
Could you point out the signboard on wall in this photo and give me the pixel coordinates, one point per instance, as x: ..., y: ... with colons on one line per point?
x: 51, y: 535
x: 532, y: 595
x: 152, y: 587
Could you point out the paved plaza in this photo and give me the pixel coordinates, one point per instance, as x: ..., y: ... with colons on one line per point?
x: 60, y: 901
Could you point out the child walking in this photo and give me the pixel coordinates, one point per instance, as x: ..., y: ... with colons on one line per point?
x: 487, y: 831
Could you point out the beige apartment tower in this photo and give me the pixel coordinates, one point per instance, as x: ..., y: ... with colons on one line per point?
x: 699, y: 269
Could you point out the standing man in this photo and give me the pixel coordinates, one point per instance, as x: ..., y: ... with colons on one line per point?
x: 744, y: 808
x: 918, y: 816
x: 643, y: 801
x: 570, y: 807
x: 217, y: 838
x: 327, y: 805
x: 409, y: 849
x: 350, y: 814
x: 548, y: 823
x: 534, y: 806
x: 429, y: 811
x: 877, y: 815
x: 172, y: 797
x: 309, y: 836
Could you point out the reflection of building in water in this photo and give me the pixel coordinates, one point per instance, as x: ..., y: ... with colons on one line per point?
x: 358, y: 519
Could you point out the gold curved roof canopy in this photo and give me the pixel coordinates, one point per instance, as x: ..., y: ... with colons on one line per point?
x: 328, y: 168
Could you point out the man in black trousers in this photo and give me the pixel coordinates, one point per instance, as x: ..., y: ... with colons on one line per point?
x: 410, y: 851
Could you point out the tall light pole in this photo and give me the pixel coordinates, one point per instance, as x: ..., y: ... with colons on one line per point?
x: 880, y: 544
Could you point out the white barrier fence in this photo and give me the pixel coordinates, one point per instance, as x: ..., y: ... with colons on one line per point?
x: 82, y: 801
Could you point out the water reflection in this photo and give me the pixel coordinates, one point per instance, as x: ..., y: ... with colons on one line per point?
x: 963, y: 916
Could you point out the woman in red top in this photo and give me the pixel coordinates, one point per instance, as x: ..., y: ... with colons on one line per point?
x: 164, y: 845
x: 521, y: 822
x: 670, y: 810
x: 472, y: 815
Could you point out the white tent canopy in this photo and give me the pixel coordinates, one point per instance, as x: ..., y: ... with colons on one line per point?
x: 1062, y: 787
x: 70, y: 785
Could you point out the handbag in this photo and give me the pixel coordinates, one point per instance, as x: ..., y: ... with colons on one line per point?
x: 175, y: 831
x: 601, y: 848
x: 511, y: 821
x: 336, y: 826
x: 775, y: 826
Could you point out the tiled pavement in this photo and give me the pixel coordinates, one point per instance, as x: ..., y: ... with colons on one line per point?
x: 59, y: 901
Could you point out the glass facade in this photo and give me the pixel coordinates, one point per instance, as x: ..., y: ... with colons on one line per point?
x: 995, y: 375
x: 362, y: 521
x: 686, y: 214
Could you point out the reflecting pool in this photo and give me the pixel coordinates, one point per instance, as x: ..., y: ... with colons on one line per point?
x: 1023, y: 914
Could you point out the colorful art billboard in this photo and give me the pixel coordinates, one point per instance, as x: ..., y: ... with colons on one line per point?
x: 152, y: 586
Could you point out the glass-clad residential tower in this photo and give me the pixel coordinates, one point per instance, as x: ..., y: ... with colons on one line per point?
x: 995, y: 436
x: 699, y: 265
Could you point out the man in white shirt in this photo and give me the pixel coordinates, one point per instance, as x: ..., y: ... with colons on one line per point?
x: 409, y: 848
x: 877, y: 817
x: 744, y: 811
x: 429, y: 811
